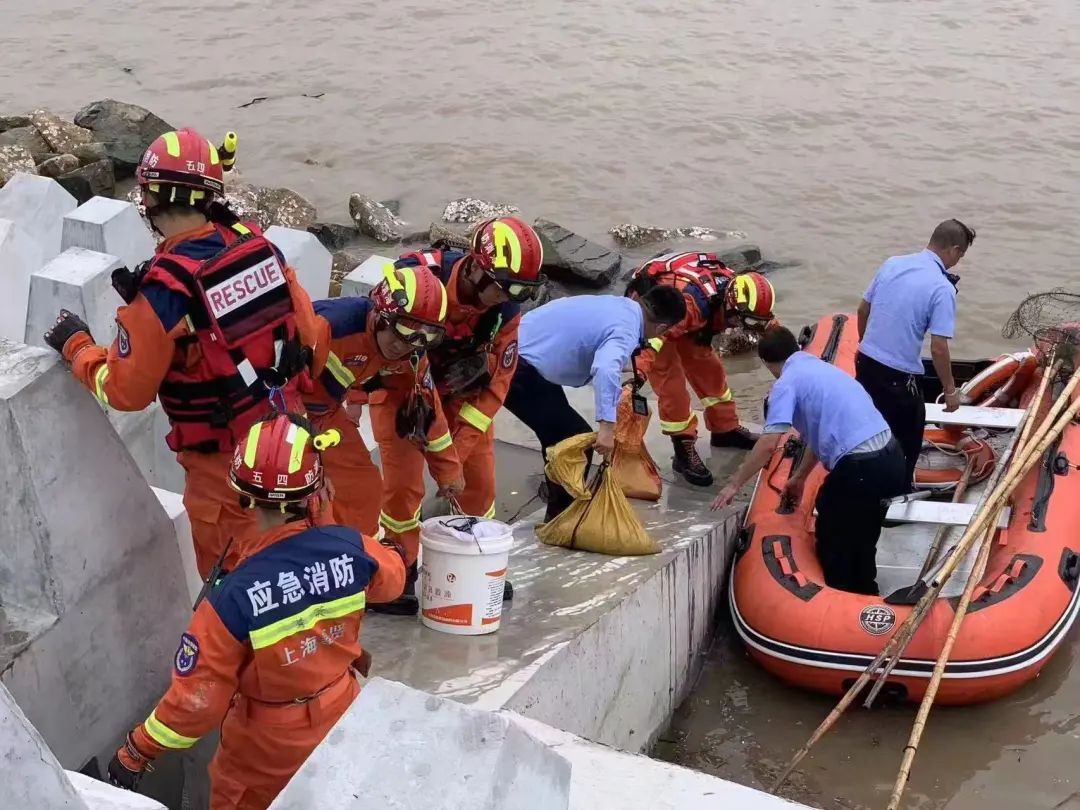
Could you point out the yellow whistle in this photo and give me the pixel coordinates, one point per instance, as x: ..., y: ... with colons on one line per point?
x: 330, y: 438
x: 228, y: 150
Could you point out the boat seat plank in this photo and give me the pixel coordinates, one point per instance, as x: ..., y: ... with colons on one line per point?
x: 947, y: 514
x: 974, y: 416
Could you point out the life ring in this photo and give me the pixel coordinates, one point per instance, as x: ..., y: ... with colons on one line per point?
x: 1000, y: 383
x: 976, y: 452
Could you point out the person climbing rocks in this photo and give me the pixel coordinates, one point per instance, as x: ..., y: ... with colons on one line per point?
x: 374, y: 352
x: 271, y: 652
x: 471, y: 368
x: 575, y: 341
x: 211, y: 324
x: 716, y: 298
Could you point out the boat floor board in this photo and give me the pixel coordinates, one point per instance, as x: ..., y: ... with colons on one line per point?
x: 974, y: 416
x: 948, y: 514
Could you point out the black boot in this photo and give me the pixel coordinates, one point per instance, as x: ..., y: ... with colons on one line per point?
x: 740, y: 439
x: 405, y: 605
x: 688, y: 463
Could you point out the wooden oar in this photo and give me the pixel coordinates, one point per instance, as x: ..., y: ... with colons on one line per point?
x: 993, y: 501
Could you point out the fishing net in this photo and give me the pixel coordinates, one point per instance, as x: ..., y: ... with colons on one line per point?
x: 1052, y: 320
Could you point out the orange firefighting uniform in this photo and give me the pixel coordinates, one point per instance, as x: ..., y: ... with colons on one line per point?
x: 148, y: 346
x: 490, y: 332
x: 350, y: 369
x: 271, y: 651
x: 685, y: 355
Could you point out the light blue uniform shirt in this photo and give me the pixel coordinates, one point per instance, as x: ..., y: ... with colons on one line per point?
x: 832, y: 412
x: 572, y: 341
x: 908, y: 297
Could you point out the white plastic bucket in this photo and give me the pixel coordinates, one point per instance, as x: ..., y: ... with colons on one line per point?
x: 462, y: 574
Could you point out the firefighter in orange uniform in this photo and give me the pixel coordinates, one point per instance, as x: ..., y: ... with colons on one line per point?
x: 716, y: 298
x: 373, y: 351
x: 472, y: 368
x: 212, y: 323
x: 270, y: 653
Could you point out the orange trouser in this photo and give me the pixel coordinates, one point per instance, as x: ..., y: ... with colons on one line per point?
x: 214, y: 510
x: 478, y: 468
x: 263, y: 745
x: 356, y: 479
x: 681, y: 361
x: 403, y: 479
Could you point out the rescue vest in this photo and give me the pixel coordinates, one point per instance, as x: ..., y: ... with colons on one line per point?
x: 243, y: 324
x: 701, y: 275
x: 465, y: 344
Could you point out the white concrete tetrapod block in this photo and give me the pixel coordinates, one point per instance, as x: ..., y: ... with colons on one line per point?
x: 109, y: 226
x: 363, y: 278
x: 173, y: 504
x: 32, y: 775
x: 39, y: 205
x: 20, y: 257
x: 80, y: 281
x: 432, y: 752
x: 306, y: 255
x: 99, y: 795
x: 85, y: 539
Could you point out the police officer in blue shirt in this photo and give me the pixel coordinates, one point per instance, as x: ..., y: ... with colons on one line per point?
x: 840, y: 426
x: 576, y: 341
x: 910, y: 296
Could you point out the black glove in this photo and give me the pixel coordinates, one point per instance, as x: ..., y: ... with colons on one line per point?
x: 122, y: 776
x: 67, y: 325
x: 467, y: 374
x: 127, y: 282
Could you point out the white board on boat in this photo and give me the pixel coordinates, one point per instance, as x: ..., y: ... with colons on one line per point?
x: 974, y: 416
x: 946, y: 514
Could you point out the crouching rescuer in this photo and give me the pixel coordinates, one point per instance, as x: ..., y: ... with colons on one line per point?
x: 271, y: 651
x: 716, y: 298
x: 212, y: 323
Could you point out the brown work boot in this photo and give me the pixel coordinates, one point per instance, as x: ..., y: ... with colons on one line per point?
x: 688, y: 463
x: 740, y: 439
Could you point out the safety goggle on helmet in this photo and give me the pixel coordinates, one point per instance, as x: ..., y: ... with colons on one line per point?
x: 413, y: 302
x: 509, y: 252
x: 751, y: 297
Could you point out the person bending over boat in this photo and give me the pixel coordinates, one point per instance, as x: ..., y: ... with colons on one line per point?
x: 910, y: 296
x: 864, y: 464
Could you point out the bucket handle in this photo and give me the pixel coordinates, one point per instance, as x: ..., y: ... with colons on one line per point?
x: 463, y: 523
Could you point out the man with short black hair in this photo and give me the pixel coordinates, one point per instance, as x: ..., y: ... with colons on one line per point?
x: 575, y: 341
x: 839, y: 424
x: 910, y: 296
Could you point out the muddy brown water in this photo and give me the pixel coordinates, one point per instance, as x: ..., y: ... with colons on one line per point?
x: 837, y: 132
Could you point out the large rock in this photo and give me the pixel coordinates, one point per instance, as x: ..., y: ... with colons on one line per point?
x: 375, y: 220
x: 126, y: 130
x: 574, y: 258
x: 77, y: 186
x: 99, y: 176
x: 454, y: 237
x: 743, y: 257
x: 58, y: 166
x: 343, y: 263
x: 62, y: 136
x: 13, y: 122
x: 30, y: 140
x: 15, y: 159
x: 470, y: 209
x: 633, y: 236
x: 39, y: 206
x: 332, y: 235
x: 90, y: 153
x: 270, y: 206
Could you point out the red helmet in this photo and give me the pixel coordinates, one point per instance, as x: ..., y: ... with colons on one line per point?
x: 413, y: 301
x: 183, y: 163
x: 278, y: 462
x: 510, y: 252
x: 751, y: 296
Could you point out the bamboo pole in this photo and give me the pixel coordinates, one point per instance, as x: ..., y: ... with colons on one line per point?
x: 1015, y: 450
x: 976, y: 575
x: 939, y: 535
x: 996, y: 498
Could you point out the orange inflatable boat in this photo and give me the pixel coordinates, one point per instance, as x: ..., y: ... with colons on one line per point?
x: 820, y: 638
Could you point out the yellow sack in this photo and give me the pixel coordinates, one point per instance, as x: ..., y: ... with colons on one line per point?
x: 600, y: 519
x: 632, y: 465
